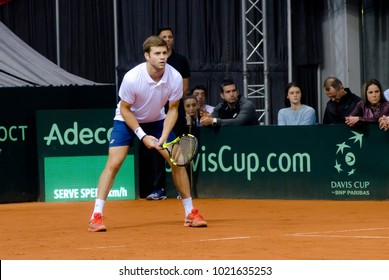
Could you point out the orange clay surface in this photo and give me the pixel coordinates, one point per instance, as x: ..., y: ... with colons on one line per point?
x: 239, y: 229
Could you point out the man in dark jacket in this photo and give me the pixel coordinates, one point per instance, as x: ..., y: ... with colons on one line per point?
x: 342, y: 101
x: 234, y: 110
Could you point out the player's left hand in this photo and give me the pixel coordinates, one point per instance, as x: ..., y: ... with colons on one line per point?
x: 158, y: 143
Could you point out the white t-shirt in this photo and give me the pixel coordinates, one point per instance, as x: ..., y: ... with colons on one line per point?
x: 209, y: 108
x: 148, y: 97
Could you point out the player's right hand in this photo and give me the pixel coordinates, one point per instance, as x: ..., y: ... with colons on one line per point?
x: 150, y: 141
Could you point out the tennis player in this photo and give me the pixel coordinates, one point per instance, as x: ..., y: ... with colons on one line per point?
x: 140, y: 113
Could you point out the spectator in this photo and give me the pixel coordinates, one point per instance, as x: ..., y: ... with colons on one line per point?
x: 372, y: 106
x: 201, y: 93
x: 296, y: 113
x: 191, y: 105
x: 234, y: 110
x: 342, y: 101
x: 178, y: 61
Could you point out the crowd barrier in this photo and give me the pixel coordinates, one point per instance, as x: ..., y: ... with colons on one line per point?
x: 333, y: 162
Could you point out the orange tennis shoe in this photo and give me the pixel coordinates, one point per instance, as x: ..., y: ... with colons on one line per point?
x: 96, y: 224
x: 194, y: 219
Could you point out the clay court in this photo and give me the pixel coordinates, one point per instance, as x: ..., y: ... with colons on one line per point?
x: 238, y: 230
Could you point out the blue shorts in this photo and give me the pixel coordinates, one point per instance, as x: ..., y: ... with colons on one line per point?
x: 122, y: 135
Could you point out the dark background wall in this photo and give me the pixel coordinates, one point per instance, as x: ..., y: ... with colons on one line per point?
x: 208, y: 33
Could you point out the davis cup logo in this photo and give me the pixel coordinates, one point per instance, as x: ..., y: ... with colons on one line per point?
x: 345, y: 154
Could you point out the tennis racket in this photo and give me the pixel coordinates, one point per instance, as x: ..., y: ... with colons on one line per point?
x: 182, y: 149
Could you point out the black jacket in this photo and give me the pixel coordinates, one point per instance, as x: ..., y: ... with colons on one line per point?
x: 336, y: 112
x: 243, y: 113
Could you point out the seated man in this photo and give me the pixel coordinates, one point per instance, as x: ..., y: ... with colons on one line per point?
x: 234, y: 110
x: 342, y: 101
x: 201, y: 94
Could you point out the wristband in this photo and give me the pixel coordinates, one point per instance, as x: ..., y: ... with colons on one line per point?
x: 140, y: 133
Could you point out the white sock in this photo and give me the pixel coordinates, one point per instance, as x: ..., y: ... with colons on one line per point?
x: 99, y: 205
x: 188, y: 206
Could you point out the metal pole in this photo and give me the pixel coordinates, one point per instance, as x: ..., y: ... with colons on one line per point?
x: 244, y: 49
x: 319, y: 94
x: 289, y: 20
x: 265, y: 65
x: 57, y: 32
x: 115, y: 32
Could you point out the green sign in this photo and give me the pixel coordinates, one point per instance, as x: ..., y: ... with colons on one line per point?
x: 293, y: 162
x: 72, y: 152
x: 82, y: 184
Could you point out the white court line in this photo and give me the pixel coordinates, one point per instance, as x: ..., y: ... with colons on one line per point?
x: 224, y: 238
x: 329, y: 233
x: 102, y: 247
x: 341, y: 236
x: 200, y: 240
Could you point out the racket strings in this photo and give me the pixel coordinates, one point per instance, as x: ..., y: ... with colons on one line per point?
x: 184, y: 150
